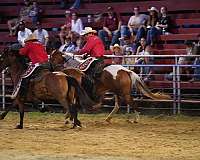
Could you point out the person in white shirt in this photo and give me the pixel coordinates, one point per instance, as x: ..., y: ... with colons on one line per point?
x: 136, y: 24
x: 41, y: 34
x: 77, y: 24
x: 23, y: 33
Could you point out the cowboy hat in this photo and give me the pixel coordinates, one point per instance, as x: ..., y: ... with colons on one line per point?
x: 116, y: 46
x: 153, y: 9
x: 87, y: 30
x: 31, y: 37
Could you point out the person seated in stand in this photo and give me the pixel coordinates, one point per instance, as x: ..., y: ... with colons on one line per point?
x: 164, y: 22
x: 185, y: 72
x: 37, y: 55
x: 98, y: 22
x: 69, y: 46
x: 66, y: 28
x: 146, y: 71
x: 35, y: 12
x: 136, y: 24
x: 77, y: 24
x: 111, y: 28
x: 117, y: 51
x: 41, y: 34
x: 13, y: 24
x: 196, y: 51
x: 152, y: 31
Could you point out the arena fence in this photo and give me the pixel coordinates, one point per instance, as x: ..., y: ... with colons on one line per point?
x: 177, y: 94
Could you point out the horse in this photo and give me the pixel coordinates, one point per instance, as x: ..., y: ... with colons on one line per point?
x: 48, y: 86
x: 114, y: 78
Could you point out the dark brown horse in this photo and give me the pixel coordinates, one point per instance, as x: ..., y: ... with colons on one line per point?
x: 50, y: 86
x: 114, y: 78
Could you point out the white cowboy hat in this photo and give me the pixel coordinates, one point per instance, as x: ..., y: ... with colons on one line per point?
x: 116, y: 46
x: 87, y: 30
x: 31, y: 37
x: 153, y: 9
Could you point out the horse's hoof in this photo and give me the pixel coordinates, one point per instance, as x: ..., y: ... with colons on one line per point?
x: 1, y: 117
x: 19, y: 127
x: 108, y: 120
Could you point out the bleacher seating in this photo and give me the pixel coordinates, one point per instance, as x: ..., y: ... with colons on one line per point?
x: 186, y: 15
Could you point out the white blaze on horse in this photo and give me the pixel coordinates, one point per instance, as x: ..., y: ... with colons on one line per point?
x: 114, y: 78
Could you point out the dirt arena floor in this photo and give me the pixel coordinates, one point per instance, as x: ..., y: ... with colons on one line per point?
x: 45, y: 137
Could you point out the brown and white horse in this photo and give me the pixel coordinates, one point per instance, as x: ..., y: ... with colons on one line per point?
x: 114, y: 78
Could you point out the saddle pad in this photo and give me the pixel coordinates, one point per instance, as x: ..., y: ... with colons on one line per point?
x: 86, y: 64
x: 29, y: 70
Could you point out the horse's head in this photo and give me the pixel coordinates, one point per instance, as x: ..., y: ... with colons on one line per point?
x: 6, y: 58
x: 10, y: 57
x: 56, y: 57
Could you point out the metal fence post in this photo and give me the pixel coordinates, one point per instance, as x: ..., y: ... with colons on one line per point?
x: 178, y: 87
x: 174, y: 89
x: 3, y: 89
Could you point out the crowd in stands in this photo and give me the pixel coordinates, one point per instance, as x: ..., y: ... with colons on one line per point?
x: 137, y: 37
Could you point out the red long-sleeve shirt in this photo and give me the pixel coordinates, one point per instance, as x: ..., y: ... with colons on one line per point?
x: 35, y: 51
x: 94, y: 47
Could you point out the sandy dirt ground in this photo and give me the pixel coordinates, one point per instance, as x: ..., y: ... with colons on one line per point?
x: 45, y: 137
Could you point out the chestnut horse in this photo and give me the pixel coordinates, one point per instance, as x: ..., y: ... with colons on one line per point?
x: 49, y: 86
x: 114, y: 78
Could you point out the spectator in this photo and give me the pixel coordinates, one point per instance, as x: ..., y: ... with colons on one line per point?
x: 128, y: 61
x: 185, y: 71
x: 186, y: 60
x: 146, y: 71
x: 41, y: 34
x: 152, y: 32
x: 126, y: 42
x: 35, y: 12
x: 111, y: 28
x: 75, y: 5
x: 77, y: 25
x: 136, y: 24
x: 196, y: 51
x: 117, y: 51
x: 66, y: 28
x: 23, y: 33
x: 90, y: 21
x: 164, y: 23
x: 23, y: 16
x: 98, y: 21
x: 69, y: 46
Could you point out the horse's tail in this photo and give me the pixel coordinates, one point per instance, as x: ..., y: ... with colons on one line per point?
x: 141, y: 86
x: 84, y: 100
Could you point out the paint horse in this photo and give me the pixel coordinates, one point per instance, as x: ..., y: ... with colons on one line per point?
x: 114, y: 78
x: 48, y: 86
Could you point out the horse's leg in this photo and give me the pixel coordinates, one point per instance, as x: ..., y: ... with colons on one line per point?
x: 4, y: 113
x: 74, y: 116
x: 21, y: 113
x: 129, y: 100
x: 115, y: 109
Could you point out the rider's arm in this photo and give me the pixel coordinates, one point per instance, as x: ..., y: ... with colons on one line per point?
x: 87, y: 47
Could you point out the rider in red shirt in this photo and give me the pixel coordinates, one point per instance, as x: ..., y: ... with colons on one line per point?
x: 34, y: 50
x: 36, y: 53
x: 94, y: 45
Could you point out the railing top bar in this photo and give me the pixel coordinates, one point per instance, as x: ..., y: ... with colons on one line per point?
x: 162, y: 56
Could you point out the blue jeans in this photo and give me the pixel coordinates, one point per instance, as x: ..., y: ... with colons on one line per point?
x: 104, y: 37
x: 152, y: 35
x: 139, y: 32
x: 197, y: 69
x: 76, y: 4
